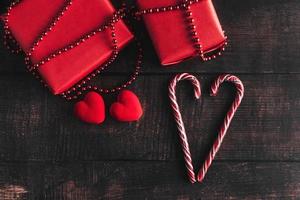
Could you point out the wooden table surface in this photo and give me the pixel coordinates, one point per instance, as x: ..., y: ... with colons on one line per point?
x: 46, y: 153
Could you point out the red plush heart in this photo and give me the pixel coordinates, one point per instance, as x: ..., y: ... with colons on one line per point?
x: 91, y: 109
x: 128, y: 107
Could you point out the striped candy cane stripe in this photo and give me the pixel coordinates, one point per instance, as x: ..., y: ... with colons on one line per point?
x: 223, y: 130
x: 179, y: 121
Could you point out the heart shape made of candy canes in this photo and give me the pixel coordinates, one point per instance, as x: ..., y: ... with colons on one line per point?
x: 224, y: 127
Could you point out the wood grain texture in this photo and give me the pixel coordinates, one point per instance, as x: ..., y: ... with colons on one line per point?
x: 45, y: 153
x: 38, y: 126
x: 150, y: 180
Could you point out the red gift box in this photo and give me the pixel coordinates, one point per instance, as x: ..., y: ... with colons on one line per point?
x: 168, y: 28
x: 29, y: 18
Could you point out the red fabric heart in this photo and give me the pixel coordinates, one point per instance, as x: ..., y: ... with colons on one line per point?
x: 91, y: 109
x: 128, y: 107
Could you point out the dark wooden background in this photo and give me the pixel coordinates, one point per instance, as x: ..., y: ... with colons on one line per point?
x: 46, y: 153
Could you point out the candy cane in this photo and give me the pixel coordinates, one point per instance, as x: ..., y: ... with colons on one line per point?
x: 223, y: 130
x: 179, y: 121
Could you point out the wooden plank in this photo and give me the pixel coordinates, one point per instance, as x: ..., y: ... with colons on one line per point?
x: 34, y: 125
x: 263, y: 35
x: 148, y: 180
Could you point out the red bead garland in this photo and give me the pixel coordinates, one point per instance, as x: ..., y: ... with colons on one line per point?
x: 8, y: 38
x: 81, y: 87
x: 43, y: 35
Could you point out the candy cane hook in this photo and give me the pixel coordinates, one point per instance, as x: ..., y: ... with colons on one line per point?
x: 179, y: 121
x: 223, y: 130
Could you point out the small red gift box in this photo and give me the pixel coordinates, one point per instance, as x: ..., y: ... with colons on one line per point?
x: 28, y: 20
x: 168, y: 23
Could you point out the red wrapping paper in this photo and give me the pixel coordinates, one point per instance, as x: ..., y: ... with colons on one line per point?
x: 30, y: 17
x: 169, y: 33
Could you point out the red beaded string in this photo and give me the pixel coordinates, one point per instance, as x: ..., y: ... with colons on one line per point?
x: 39, y: 39
x: 82, y: 86
x: 9, y: 42
x: 186, y: 7
x: 115, y: 18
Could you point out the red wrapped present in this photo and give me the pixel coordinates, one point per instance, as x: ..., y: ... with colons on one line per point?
x: 66, y: 40
x: 183, y: 29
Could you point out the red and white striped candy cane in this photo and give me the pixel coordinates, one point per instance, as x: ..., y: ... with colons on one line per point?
x: 179, y: 121
x: 223, y: 130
